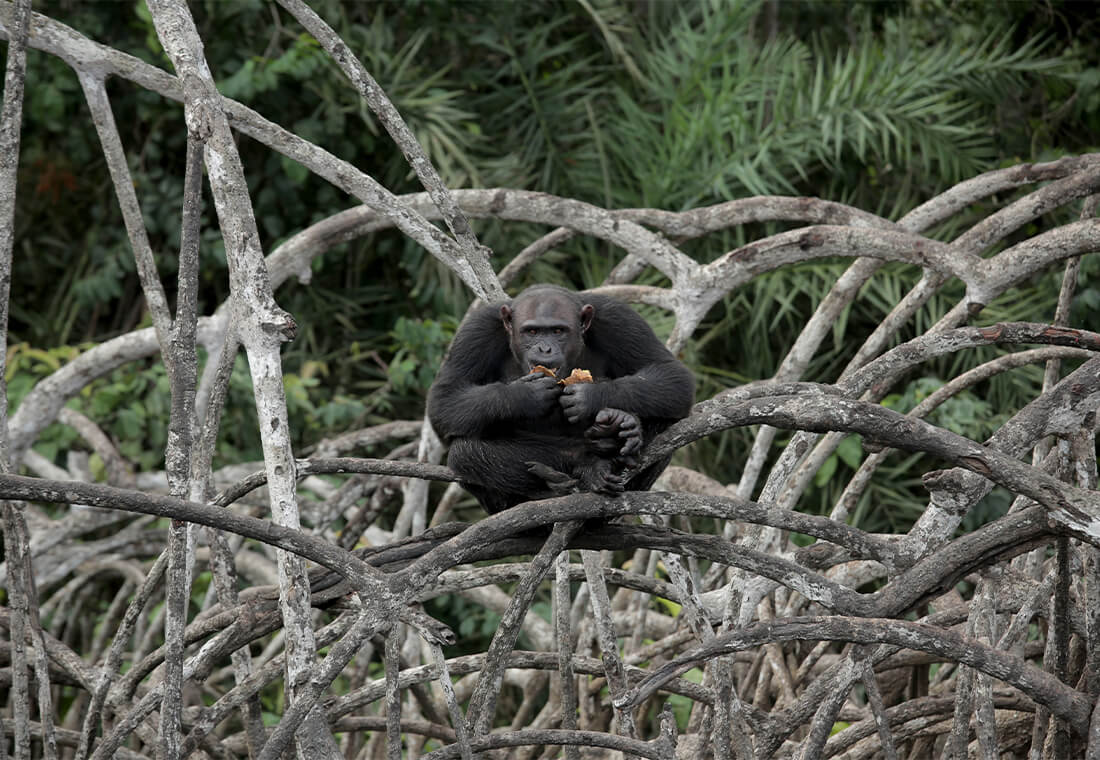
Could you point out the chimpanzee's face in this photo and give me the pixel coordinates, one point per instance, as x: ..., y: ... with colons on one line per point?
x: 547, y: 329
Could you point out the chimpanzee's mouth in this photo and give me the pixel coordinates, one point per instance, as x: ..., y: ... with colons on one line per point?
x: 543, y: 368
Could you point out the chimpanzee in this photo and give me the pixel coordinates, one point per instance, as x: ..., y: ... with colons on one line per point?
x: 517, y: 434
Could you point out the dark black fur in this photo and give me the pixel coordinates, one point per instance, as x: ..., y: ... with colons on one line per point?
x: 512, y: 433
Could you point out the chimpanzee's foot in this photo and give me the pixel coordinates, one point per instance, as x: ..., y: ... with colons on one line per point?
x: 600, y: 475
x: 616, y: 433
x: 596, y: 475
x: 557, y: 481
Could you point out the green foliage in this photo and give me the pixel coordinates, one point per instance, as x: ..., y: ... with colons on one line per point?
x: 132, y: 405
x: 791, y: 116
x: 665, y: 104
x: 681, y: 705
x: 418, y: 351
x: 473, y: 623
x: 964, y: 413
x: 850, y: 452
x: 669, y: 105
x: 257, y: 75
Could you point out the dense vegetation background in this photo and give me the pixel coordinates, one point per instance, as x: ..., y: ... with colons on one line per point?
x: 662, y: 104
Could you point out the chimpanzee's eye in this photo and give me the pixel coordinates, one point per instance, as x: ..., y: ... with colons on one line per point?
x: 559, y: 331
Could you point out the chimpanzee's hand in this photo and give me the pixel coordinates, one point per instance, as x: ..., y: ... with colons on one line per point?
x: 581, y: 401
x: 534, y: 395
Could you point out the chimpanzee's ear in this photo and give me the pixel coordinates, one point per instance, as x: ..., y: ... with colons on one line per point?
x: 587, y: 312
x: 506, y: 317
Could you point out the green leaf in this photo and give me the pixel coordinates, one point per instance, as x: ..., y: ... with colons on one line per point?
x: 850, y: 451
x: 825, y: 474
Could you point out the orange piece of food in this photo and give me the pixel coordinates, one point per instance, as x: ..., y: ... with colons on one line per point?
x: 577, y: 376
x: 544, y: 370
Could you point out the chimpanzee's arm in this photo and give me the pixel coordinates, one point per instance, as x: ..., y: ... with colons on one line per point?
x: 659, y: 391
x: 644, y: 378
x: 472, y: 389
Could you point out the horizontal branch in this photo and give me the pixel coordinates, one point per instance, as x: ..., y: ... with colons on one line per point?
x: 97, y: 495
x: 366, y: 580
x: 697, y: 222
x: 553, y: 736
x: 497, y: 203
x: 820, y: 241
x: 336, y: 465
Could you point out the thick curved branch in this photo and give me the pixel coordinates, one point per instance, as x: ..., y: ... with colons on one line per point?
x: 887, y: 367
x: 820, y: 241
x: 1000, y: 224
x: 490, y: 532
x: 693, y: 223
x: 1077, y: 509
x: 957, y: 198
x: 1016, y: 264
x: 859, y: 481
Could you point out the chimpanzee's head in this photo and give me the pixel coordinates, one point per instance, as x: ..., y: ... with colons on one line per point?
x: 546, y: 325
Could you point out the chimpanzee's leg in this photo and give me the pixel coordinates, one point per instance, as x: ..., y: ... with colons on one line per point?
x: 497, y: 473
